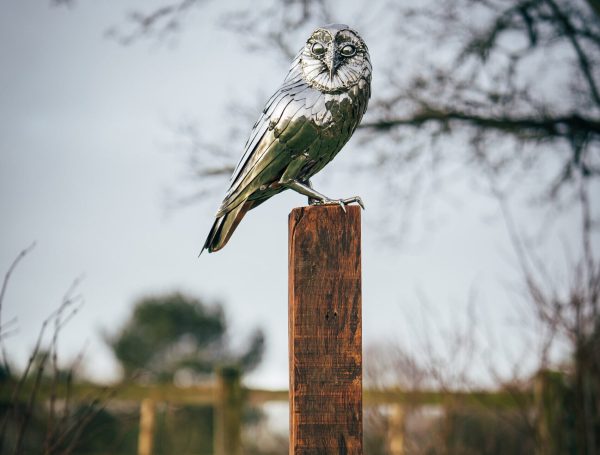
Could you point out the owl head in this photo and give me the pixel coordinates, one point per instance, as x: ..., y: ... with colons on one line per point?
x: 335, y: 58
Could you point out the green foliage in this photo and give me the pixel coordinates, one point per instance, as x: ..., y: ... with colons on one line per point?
x: 108, y: 431
x: 477, y: 430
x: 184, y: 430
x: 174, y: 335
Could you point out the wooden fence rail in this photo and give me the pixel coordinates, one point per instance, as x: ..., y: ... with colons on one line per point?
x: 209, y: 394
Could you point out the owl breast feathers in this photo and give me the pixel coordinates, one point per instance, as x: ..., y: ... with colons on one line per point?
x: 302, y: 127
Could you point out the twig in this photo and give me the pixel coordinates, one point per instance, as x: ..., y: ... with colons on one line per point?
x: 11, y: 269
x: 28, y: 411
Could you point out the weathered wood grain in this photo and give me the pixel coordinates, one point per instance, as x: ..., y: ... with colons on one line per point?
x: 325, y: 331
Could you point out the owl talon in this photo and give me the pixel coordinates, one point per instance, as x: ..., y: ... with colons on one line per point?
x: 356, y: 199
x: 341, y: 202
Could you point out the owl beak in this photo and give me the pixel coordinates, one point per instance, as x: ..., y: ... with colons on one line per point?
x: 332, y: 63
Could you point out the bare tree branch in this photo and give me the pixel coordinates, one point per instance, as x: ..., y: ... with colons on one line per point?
x: 584, y: 62
x: 160, y: 22
x: 561, y: 126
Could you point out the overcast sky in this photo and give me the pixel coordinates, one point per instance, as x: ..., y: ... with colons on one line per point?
x: 85, y: 156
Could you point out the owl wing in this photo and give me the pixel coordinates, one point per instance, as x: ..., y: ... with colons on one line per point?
x: 284, y: 126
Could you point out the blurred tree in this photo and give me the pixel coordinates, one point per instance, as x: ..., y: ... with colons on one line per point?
x: 177, y: 337
x: 508, y: 88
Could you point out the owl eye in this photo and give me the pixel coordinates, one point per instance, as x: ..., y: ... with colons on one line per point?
x: 318, y: 49
x: 348, y: 50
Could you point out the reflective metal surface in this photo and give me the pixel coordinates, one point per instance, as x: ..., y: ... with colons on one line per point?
x: 302, y: 127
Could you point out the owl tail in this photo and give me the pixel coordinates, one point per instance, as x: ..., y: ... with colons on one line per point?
x: 223, y: 227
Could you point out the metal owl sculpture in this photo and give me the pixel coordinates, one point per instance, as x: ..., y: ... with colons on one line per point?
x: 302, y: 127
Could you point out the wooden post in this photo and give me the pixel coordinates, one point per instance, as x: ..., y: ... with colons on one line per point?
x: 325, y: 331
x: 396, y: 430
x: 146, y: 435
x: 228, y: 412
